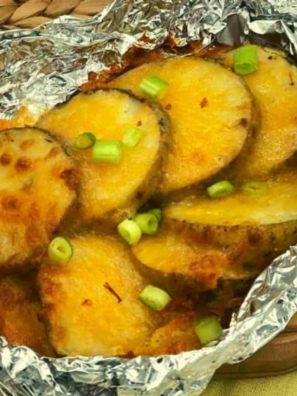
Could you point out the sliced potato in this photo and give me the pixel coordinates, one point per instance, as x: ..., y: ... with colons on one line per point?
x: 91, y: 304
x: 274, y: 87
x: 251, y: 230
x: 37, y: 187
x: 180, y: 262
x: 19, y: 314
x: 210, y: 112
x: 109, y: 190
x: 178, y: 335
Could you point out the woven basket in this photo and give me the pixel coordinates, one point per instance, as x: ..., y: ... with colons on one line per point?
x: 29, y: 14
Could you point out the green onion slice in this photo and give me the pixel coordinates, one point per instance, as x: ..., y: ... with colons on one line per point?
x: 60, y: 250
x: 85, y: 141
x: 147, y: 222
x: 208, y: 329
x: 107, y: 151
x: 155, y: 298
x: 220, y: 189
x: 255, y: 188
x: 129, y: 231
x: 132, y: 137
x: 245, y: 59
x: 153, y: 87
x: 157, y: 212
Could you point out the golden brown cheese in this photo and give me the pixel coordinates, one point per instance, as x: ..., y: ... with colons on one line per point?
x: 180, y: 262
x: 20, y: 310
x: 91, y: 304
x: 36, y: 190
x: 112, y: 190
x: 210, y: 112
x: 274, y: 87
x: 251, y: 230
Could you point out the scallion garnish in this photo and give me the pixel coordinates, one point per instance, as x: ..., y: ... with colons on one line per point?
x: 132, y: 137
x: 255, y: 188
x: 60, y: 250
x: 245, y: 59
x: 208, y: 329
x: 157, y: 212
x: 129, y: 231
x: 155, y: 298
x: 85, y: 141
x: 107, y: 151
x: 147, y: 222
x: 220, y: 189
x: 153, y: 87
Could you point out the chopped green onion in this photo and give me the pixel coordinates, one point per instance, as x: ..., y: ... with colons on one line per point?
x: 60, y: 250
x: 157, y: 212
x: 255, y: 188
x: 153, y: 87
x: 220, y: 189
x: 85, y: 141
x: 129, y: 231
x: 107, y: 151
x: 245, y: 59
x: 132, y: 137
x: 155, y: 298
x: 147, y: 222
x: 208, y: 329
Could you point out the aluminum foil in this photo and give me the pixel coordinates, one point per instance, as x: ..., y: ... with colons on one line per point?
x: 42, y: 67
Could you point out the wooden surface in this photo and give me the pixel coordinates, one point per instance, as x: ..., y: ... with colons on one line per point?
x: 276, y: 358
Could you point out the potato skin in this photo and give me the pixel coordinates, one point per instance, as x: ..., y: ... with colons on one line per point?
x: 92, y: 175
x: 20, y: 310
x: 37, y: 188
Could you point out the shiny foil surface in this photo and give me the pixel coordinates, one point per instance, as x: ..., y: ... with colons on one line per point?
x: 42, y: 67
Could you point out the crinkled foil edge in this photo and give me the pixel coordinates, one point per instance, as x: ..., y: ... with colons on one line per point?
x: 42, y: 67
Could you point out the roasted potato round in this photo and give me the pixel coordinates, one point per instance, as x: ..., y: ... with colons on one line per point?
x: 274, y: 87
x: 210, y: 111
x: 37, y: 187
x: 252, y: 230
x: 20, y: 310
x: 112, y: 191
x: 91, y: 304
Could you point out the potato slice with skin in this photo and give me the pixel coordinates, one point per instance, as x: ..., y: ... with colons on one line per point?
x: 37, y: 188
x: 178, y: 262
x: 91, y: 304
x: 19, y: 314
x: 251, y: 230
x: 274, y: 87
x: 108, y: 190
x: 210, y: 112
x: 178, y: 335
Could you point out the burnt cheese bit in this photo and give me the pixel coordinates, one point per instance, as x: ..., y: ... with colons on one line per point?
x: 10, y: 203
x: 203, y: 103
x: 53, y: 152
x: 5, y: 159
x: 23, y: 164
x: 26, y: 144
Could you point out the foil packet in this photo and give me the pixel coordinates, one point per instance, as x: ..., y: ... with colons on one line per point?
x: 42, y: 67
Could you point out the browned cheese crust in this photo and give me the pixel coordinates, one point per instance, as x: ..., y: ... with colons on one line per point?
x: 37, y: 188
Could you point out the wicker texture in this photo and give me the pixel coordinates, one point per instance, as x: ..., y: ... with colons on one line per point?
x: 31, y: 13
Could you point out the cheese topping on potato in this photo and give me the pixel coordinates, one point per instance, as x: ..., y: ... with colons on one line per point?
x: 111, y: 190
x: 274, y: 87
x: 91, y: 303
x: 210, y: 112
x: 37, y: 188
